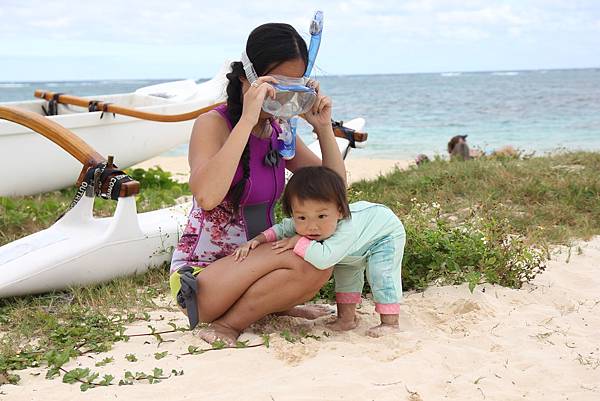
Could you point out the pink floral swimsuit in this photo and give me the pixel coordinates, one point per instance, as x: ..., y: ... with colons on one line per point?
x: 213, y: 234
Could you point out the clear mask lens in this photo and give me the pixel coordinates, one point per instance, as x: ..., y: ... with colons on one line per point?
x: 292, y: 97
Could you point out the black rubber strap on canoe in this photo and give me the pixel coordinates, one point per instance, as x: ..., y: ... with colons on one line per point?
x: 114, y: 185
x: 186, y: 297
x: 52, y: 104
x: 105, y: 110
x: 348, y: 132
x: 93, y: 106
x: 94, y: 181
x: 116, y: 178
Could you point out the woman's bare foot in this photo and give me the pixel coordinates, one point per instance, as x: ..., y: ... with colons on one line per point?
x: 309, y: 312
x: 382, y: 330
x: 343, y: 324
x: 218, y: 331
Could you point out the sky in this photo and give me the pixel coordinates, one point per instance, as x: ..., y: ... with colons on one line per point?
x: 42, y: 40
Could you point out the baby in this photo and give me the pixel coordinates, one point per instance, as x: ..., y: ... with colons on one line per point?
x: 353, y: 238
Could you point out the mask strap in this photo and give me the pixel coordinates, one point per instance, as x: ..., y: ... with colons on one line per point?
x: 248, y: 68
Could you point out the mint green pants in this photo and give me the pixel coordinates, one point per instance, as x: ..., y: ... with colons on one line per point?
x: 382, y: 263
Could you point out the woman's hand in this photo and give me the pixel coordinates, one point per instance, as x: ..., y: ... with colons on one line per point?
x: 244, y: 249
x: 255, y: 96
x: 285, y: 244
x: 319, y: 116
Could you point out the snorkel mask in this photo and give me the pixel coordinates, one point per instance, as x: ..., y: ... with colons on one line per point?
x: 292, y: 96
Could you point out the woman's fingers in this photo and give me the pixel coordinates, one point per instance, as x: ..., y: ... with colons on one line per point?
x: 314, y: 84
x: 315, y: 106
x: 325, y: 102
x: 267, y: 78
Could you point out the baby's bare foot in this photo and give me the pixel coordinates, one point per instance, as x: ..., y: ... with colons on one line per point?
x: 309, y: 312
x: 217, y: 331
x: 382, y: 330
x: 343, y: 325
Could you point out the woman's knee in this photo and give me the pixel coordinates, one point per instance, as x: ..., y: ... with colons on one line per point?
x: 314, y: 279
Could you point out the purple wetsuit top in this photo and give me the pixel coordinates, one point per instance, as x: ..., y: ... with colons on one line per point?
x: 213, y: 234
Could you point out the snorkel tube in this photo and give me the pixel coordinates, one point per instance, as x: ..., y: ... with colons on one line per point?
x: 316, y: 28
x: 287, y: 149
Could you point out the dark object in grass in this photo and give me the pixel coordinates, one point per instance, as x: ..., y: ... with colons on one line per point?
x: 421, y: 159
x: 458, y: 148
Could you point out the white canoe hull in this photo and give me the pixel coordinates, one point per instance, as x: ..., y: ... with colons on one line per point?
x: 30, y: 163
x: 81, y: 250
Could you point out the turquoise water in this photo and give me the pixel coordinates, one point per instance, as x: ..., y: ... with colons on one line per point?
x: 407, y: 114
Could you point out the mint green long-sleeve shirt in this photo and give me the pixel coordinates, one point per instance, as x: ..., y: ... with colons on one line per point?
x: 369, y: 223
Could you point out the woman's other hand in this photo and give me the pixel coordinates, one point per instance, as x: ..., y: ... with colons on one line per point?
x: 285, y: 244
x: 319, y: 116
x: 244, y: 249
x: 255, y: 96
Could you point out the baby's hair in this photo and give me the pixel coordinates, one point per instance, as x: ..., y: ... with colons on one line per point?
x: 316, y: 183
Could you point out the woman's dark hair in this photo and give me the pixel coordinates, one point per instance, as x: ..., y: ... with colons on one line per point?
x: 268, y: 46
x: 316, y: 183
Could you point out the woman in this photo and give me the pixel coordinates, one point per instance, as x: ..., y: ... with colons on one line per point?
x: 236, y: 179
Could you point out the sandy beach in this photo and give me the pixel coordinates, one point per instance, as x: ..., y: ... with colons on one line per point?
x: 357, y: 168
x: 536, y: 343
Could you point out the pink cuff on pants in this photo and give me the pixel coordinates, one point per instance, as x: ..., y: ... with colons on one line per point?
x: 387, y: 309
x: 270, y: 234
x: 301, y: 246
x: 347, y: 297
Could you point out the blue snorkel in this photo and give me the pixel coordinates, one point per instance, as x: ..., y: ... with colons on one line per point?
x: 287, y: 148
x: 316, y: 29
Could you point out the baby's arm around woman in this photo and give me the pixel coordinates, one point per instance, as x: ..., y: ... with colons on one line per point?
x: 285, y: 229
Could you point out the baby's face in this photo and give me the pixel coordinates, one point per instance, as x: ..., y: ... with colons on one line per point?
x: 315, y: 220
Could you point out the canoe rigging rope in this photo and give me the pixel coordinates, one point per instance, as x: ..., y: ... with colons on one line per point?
x: 348, y: 132
x: 93, y: 106
x: 105, y: 110
x: 52, y: 105
x: 100, y: 180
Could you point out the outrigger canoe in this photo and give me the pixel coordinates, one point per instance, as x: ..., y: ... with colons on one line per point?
x: 31, y: 164
x: 80, y: 249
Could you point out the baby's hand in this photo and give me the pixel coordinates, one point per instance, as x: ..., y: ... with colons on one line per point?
x: 244, y: 249
x: 285, y: 244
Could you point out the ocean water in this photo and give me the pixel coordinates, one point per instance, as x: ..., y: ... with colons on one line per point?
x: 407, y: 114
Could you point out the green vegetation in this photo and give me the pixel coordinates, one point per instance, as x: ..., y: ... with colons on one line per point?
x: 490, y: 220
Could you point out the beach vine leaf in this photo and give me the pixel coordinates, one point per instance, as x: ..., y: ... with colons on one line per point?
x: 160, y: 355
x: 105, y: 361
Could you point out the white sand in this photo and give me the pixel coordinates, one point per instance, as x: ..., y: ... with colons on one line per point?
x: 541, y: 342
x: 357, y: 168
